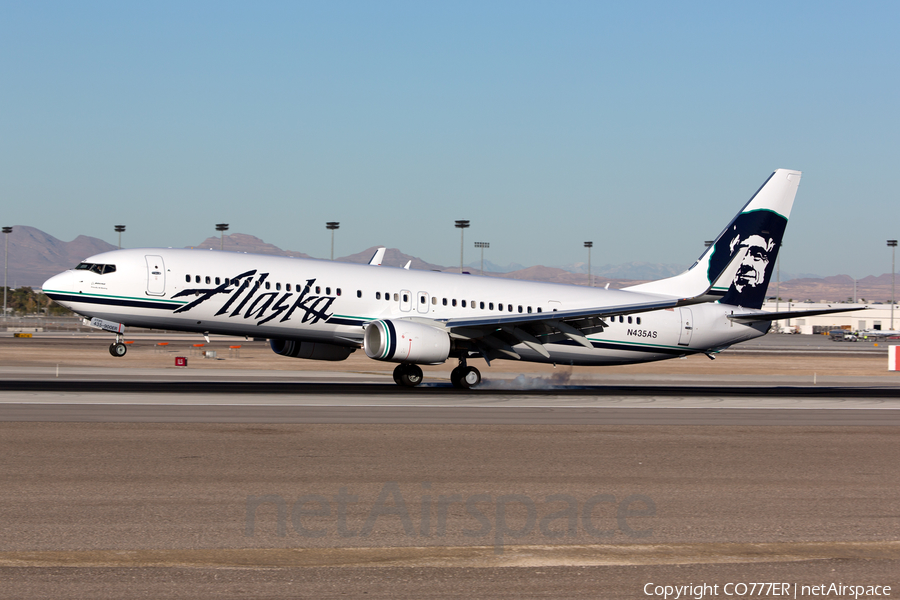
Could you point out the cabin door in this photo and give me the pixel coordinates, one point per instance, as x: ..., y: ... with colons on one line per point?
x: 687, y: 327
x: 156, y: 276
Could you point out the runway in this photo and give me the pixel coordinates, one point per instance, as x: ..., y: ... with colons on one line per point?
x: 292, y: 402
x: 128, y: 479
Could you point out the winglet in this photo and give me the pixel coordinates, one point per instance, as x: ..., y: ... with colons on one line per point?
x: 377, y: 258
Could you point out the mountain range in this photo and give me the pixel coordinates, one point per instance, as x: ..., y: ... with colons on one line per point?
x: 35, y: 256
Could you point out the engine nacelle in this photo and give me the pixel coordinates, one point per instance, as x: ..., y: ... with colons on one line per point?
x: 310, y: 350
x: 406, y: 341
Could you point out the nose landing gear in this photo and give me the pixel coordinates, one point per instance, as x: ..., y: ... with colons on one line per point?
x: 117, y: 348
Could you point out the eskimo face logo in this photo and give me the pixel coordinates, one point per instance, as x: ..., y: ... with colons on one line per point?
x: 752, y: 271
x: 242, y: 292
x: 758, y: 234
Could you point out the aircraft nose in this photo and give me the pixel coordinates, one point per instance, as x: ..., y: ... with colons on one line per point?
x: 59, y: 283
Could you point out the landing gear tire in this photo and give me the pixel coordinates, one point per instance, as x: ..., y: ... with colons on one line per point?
x: 465, y: 377
x: 118, y: 349
x: 408, y: 375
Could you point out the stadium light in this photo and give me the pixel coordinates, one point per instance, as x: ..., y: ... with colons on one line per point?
x: 222, y: 228
x: 589, y: 245
x: 332, y: 225
x: 892, y: 244
x: 461, y: 225
x: 482, y: 245
x: 7, y: 231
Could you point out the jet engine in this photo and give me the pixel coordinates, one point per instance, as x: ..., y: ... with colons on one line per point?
x: 310, y: 350
x: 406, y: 342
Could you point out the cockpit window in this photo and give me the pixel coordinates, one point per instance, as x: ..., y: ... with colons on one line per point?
x: 96, y: 268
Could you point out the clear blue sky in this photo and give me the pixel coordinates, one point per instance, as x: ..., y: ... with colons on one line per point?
x: 640, y: 126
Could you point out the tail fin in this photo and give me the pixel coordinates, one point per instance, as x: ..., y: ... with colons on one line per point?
x: 757, y: 230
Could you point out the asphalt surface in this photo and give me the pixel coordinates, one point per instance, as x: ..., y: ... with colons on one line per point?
x: 144, y: 483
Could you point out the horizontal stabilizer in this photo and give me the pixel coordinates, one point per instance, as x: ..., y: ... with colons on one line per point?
x: 793, y: 314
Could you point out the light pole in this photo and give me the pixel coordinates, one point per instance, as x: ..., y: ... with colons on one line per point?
x: 332, y: 225
x: 482, y: 245
x: 7, y: 231
x: 589, y: 245
x: 461, y: 225
x: 222, y: 228
x: 120, y: 229
x: 892, y: 244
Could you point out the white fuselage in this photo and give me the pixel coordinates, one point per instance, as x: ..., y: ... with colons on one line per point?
x: 322, y: 301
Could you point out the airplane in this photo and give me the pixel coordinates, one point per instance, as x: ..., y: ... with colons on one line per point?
x: 323, y: 310
x: 876, y: 334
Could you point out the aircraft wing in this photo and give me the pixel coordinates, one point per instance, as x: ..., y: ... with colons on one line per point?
x: 777, y: 316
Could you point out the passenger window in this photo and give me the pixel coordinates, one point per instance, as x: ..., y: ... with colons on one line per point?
x: 359, y: 293
x: 278, y: 286
x: 500, y: 307
x: 396, y: 296
x: 481, y: 305
x: 422, y: 300
x: 539, y: 309
x: 638, y: 319
x: 405, y: 298
x: 529, y: 309
x: 434, y: 300
x: 444, y: 302
x: 318, y: 289
x: 490, y: 306
x: 629, y: 320
x: 453, y: 302
x: 187, y: 278
x: 337, y: 292
x: 218, y: 281
x: 621, y: 319
x: 520, y: 308
x: 509, y: 307
x: 472, y: 304
x: 378, y: 295
x: 268, y: 285
x: 196, y: 279
x: 287, y: 287
x: 328, y: 291
x: 463, y: 303
x: 208, y: 280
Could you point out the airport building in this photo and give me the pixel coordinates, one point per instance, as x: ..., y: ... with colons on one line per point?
x: 876, y: 316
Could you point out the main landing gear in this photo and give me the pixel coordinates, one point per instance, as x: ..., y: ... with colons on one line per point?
x: 408, y: 375
x: 464, y: 377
